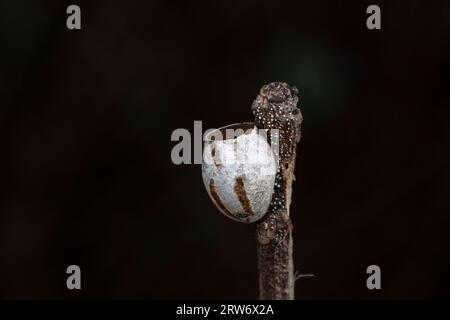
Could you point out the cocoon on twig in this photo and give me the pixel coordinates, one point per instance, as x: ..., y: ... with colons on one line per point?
x: 238, y: 170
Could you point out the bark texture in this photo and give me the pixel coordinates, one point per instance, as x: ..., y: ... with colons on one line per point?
x: 275, y: 108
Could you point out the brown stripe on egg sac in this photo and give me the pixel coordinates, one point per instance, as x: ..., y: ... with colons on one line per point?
x: 212, y: 189
x: 242, y: 195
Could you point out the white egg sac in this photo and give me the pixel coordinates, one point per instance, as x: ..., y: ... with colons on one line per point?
x: 239, y: 171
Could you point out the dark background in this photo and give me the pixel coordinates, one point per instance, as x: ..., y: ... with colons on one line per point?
x: 86, y: 118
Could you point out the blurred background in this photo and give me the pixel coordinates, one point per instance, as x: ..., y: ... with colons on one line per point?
x: 86, y: 119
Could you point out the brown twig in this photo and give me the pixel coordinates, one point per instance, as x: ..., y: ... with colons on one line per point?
x: 276, y: 108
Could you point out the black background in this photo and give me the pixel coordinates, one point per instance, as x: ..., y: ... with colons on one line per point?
x: 86, y: 118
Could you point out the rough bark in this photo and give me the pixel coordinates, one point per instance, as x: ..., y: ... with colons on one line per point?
x: 276, y: 108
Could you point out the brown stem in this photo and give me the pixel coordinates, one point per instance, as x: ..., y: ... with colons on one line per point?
x: 275, y: 108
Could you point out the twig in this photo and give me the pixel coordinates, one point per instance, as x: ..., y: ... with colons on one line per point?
x: 276, y: 108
